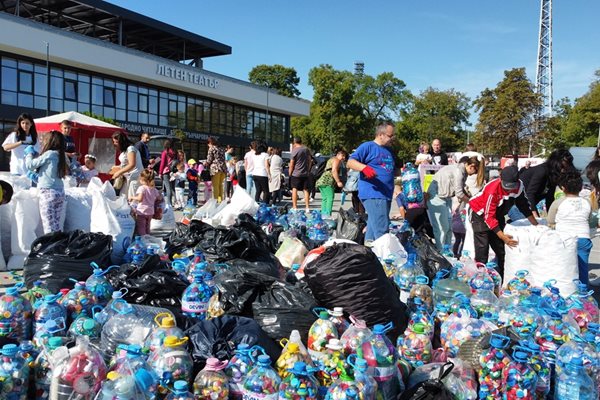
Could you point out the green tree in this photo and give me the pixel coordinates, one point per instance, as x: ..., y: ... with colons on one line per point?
x: 506, y: 113
x: 282, y: 79
x: 346, y: 107
x: 583, y: 123
x: 441, y: 114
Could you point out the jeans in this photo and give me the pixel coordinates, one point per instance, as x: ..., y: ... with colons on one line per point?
x: 584, y: 246
x: 250, y: 185
x: 378, y: 217
x: 440, y: 216
x: 327, y: 194
x: 514, y: 214
x: 166, y: 178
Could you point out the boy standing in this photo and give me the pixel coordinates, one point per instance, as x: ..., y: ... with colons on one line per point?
x: 192, y: 177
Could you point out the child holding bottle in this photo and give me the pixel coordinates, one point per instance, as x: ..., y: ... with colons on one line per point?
x: 146, y: 197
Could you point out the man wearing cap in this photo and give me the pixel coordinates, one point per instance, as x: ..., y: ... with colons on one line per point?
x: 488, y: 210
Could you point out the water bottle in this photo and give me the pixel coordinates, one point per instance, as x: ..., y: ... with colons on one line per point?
x: 421, y: 316
x: 189, y: 210
x: 262, y: 213
x: 49, y: 309
x: 411, y: 184
x: 171, y: 362
x: 365, y: 382
x: 36, y: 293
x: 415, y: 346
x: 85, y: 326
x: 77, y: 301
x: 337, y: 317
x: 99, y: 285
x: 180, y: 392
x: 180, y: 265
x: 195, y: 298
x: 496, y: 277
x: 524, y: 319
x: 484, y: 301
x: 406, y: 276
x: 581, y: 346
x: 197, y: 265
x: 355, y: 335
x: 108, y: 310
x: 14, y: 366
x: 481, y: 280
x: 212, y: 383
x: 118, y: 386
x: 381, y: 356
x: 15, y: 315
x: 293, y: 352
x: 421, y: 290
x: 574, y: 383
x: 317, y: 229
x: 519, y: 282
x: 518, y: 378
x: 343, y: 387
x: 319, y: 334
x: 165, y: 326
x: 577, y: 311
x: 299, y: 383
x: 239, y: 366
x: 553, y: 300
x: 136, y: 248
x: 492, y: 362
x: 262, y: 382
x: 542, y: 366
x: 133, y: 363
x: 554, y: 331
x: 332, y: 364
x: 42, y: 369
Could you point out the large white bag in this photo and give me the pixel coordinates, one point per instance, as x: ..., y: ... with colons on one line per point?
x: 388, y: 246
x: 112, y: 216
x: 167, y: 223
x: 26, y: 225
x: 241, y: 203
x: 78, y: 209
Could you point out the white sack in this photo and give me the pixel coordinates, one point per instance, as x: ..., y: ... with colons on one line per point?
x: 78, y: 209
x: 388, y: 246
x: 241, y: 203
x: 167, y: 223
x: 208, y: 210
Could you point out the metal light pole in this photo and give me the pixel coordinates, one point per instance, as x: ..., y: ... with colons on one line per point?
x: 47, y: 77
x: 268, y: 122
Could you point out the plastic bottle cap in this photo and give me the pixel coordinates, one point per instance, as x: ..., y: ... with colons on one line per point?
x: 117, y: 294
x: 168, y: 322
x: 324, y: 315
x: 180, y: 386
x: 134, y: 349
x: 54, y: 342
x: 144, y: 379
x: 264, y: 359
x: 295, y: 267
x: 418, y: 328
x: 361, y: 363
x: 9, y: 349
x: 243, y: 346
x: 338, y: 311
x: 334, y: 344
x: 293, y: 347
x: 299, y: 367
x: 213, y: 362
x: 378, y: 329
x: 113, y: 375
x: 171, y: 341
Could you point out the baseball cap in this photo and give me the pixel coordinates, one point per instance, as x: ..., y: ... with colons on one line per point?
x: 191, y: 161
x: 510, y: 177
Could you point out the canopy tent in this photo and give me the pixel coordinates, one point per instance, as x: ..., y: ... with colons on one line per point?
x: 91, y: 136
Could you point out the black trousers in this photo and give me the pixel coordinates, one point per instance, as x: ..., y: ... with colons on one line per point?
x: 483, y: 241
x: 262, y: 187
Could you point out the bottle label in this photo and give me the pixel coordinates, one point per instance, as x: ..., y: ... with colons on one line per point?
x: 197, y: 307
x: 259, y: 396
x: 382, y: 374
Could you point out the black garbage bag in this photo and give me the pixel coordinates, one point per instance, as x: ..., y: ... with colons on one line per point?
x: 57, y: 257
x: 153, y: 283
x: 272, y: 268
x: 350, y: 225
x: 429, y: 256
x: 350, y: 276
x: 219, y: 337
x: 277, y: 306
x: 431, y: 389
x: 186, y: 236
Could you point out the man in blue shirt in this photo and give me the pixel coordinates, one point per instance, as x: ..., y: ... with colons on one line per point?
x: 376, y: 164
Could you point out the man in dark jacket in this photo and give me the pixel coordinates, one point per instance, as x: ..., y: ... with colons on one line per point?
x: 488, y: 210
x: 438, y: 157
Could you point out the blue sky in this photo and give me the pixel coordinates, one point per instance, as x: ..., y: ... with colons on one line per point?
x: 461, y: 44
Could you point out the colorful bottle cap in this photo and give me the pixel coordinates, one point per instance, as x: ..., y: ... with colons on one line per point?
x: 338, y: 311
x: 323, y: 315
x: 144, y: 379
x: 180, y: 386
x: 9, y: 350
x: 299, y: 368
x: 293, y: 347
x: 264, y: 359
x: 89, y: 324
x: 168, y: 322
x: 55, y: 342
x: 112, y: 375
x: 334, y: 344
x: 418, y: 328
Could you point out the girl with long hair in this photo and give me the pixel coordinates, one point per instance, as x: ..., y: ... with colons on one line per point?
x: 24, y: 135
x: 130, y: 163
x: 167, y: 162
x: 51, y: 167
x: 215, y: 162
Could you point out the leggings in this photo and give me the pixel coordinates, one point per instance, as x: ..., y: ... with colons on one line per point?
x: 52, y: 204
x: 229, y: 189
x: 142, y: 224
x: 217, y: 185
x: 262, y: 186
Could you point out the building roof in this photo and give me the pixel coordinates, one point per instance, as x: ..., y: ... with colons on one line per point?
x: 102, y: 20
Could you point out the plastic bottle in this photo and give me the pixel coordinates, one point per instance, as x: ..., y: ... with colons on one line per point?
x: 318, y: 229
x: 15, y: 367
x: 519, y: 282
x: 574, y: 383
x: 136, y: 248
x: 99, y: 285
x: 108, y: 310
x: 518, y: 378
x: 337, y: 317
x: 212, y: 383
x: 239, y: 366
x: 364, y: 380
x: 197, y: 265
x: 355, y: 335
x: 541, y: 366
x: 343, y: 387
x: 580, y: 346
x: 581, y: 315
x: 381, y: 356
x: 411, y: 184
x: 444, y: 290
x: 36, y: 293
x: 42, y: 369
x: 492, y: 362
x: 262, y: 381
x: 290, y: 276
x: 484, y: 300
x: 119, y: 386
x: 553, y: 300
x: 524, y: 319
x: 293, y: 352
x: 491, y: 270
x: 421, y: 290
x: 15, y: 315
x: 171, y: 362
x: 85, y: 325
x: 77, y: 301
x: 415, y: 346
x: 332, y: 364
x: 319, y: 334
x: 189, y: 210
x: 49, y: 309
x: 195, y: 298
x: 165, y: 326
x: 481, y: 280
x: 180, y: 265
x: 299, y: 383
x: 406, y: 276
x: 447, y: 252
x: 180, y: 392
x: 554, y: 331
x: 421, y: 316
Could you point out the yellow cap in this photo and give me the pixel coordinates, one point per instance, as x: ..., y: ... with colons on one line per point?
x: 168, y: 322
x: 112, y: 375
x: 172, y: 341
x: 293, y: 347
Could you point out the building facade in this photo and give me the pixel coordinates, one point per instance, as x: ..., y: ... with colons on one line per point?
x: 92, y: 56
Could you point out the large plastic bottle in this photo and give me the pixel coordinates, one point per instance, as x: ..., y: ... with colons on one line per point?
x: 293, y: 352
x: 355, y: 335
x: 319, y: 334
x: 421, y: 316
x: 574, y: 383
x: 212, y: 383
x: 415, y: 346
x: 364, y: 379
x: 180, y: 392
x: 171, y: 362
x: 99, y: 285
x: 108, y: 310
x: 195, y: 298
x: 421, y: 290
x: 332, y: 364
x: 299, y: 383
x: 134, y: 364
x: 165, y: 326
x: 581, y: 346
x: 36, y: 293
x: 239, y: 366
x: 484, y: 300
x: 15, y: 315
x: 411, y: 184
x: 119, y: 386
x: 15, y: 367
x: 496, y: 277
x: 42, y: 369
x: 85, y: 325
x: 491, y: 363
x: 381, y: 356
x: 344, y: 387
x: 406, y: 276
x: 519, y: 282
x: 337, y: 317
x: 262, y: 382
x: 197, y: 264
x: 524, y: 319
x: 49, y: 309
x: 135, y: 249
x: 518, y: 378
x: 77, y: 301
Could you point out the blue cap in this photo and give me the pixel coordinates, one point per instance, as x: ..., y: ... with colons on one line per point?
x: 264, y: 359
x: 361, y: 364
x: 180, y: 386
x: 379, y: 329
x: 9, y: 349
x: 145, y: 379
x: 299, y: 368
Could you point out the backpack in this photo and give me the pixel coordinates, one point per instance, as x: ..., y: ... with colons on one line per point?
x: 318, y: 171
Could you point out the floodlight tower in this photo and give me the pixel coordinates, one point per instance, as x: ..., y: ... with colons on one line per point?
x: 543, y: 76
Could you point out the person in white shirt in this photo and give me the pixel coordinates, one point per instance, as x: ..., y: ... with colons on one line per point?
x: 261, y: 173
x: 24, y: 135
x: 423, y: 157
x: 572, y: 215
x: 249, y: 167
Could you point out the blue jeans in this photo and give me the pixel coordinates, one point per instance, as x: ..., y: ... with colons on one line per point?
x: 440, y: 216
x: 250, y: 185
x: 584, y: 246
x: 378, y: 217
